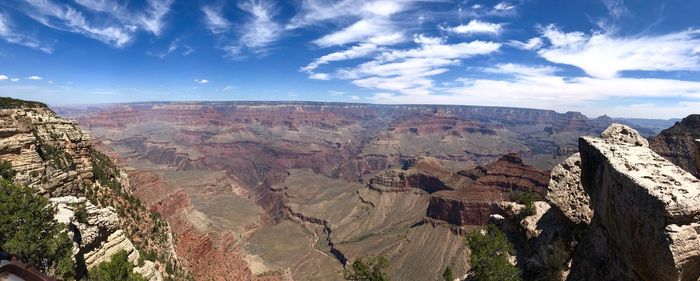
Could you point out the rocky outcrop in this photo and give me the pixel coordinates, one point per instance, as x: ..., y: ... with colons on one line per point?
x: 47, y: 152
x: 471, y: 197
x: 96, y: 234
x: 566, y: 193
x: 677, y: 144
x: 643, y: 203
x: 53, y: 156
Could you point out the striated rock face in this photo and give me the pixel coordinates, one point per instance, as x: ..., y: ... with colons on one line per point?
x: 97, y: 236
x: 566, y: 193
x: 647, y: 211
x: 472, y: 196
x: 678, y: 145
x: 53, y: 156
x: 47, y: 152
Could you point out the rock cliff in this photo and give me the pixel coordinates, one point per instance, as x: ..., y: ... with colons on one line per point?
x: 53, y: 156
x: 678, y: 145
x: 643, y: 204
x: 619, y: 212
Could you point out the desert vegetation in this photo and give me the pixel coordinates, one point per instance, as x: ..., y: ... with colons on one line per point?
x: 490, y: 253
x: 29, y: 232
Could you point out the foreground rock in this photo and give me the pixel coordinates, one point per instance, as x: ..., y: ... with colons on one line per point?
x: 644, y: 204
x: 55, y: 158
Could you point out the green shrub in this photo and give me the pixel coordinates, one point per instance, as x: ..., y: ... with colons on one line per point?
x: 526, y: 198
x: 10, y: 103
x: 81, y: 214
x: 29, y: 231
x: 554, y: 258
x: 6, y: 171
x: 370, y: 269
x: 489, y: 255
x: 447, y: 275
x: 118, y: 268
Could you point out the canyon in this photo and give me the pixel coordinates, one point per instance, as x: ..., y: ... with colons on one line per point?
x: 295, y: 190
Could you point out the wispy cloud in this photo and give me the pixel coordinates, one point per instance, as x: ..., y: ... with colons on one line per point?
x: 476, y: 27
x: 9, y: 33
x: 34, y: 77
x: 116, y: 25
x: 410, y: 71
x: 201, y: 81
x: 14, y: 79
x: 605, y: 56
x: 531, y: 44
x: 259, y: 31
x: 214, y: 19
x: 3, y: 77
x: 359, y: 51
x: 539, y: 87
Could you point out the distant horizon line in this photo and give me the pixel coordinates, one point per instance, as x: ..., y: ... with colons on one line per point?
x: 339, y: 102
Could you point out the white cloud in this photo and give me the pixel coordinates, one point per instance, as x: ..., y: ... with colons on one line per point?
x: 320, y: 76
x: 616, y: 8
x: 336, y: 93
x: 228, y: 88
x: 152, y: 19
x: 34, y: 77
x: 532, y: 44
x: 538, y: 87
x: 605, y: 56
x: 201, y: 81
x: 503, y: 6
x: 410, y: 71
x: 9, y: 34
x: 262, y: 30
x: 14, y: 79
x: 362, y: 30
x: 372, y: 21
x: 3, y: 77
x: 354, y: 98
x: 113, y: 25
x: 476, y: 27
x: 359, y: 51
x: 258, y: 32
x: 215, y: 20
x: 522, y: 70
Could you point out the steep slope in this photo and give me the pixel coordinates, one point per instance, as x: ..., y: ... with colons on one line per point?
x: 54, y: 157
x: 678, y: 145
x: 618, y: 211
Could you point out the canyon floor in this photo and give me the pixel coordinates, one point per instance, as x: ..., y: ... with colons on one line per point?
x: 274, y: 191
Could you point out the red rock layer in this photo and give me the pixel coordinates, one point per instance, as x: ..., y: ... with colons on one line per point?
x: 473, y: 194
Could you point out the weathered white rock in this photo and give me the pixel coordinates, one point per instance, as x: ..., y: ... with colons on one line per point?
x: 624, y: 134
x: 566, y: 193
x: 647, y: 209
x: 148, y: 270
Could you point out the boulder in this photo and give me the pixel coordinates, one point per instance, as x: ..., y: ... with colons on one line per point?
x: 622, y: 133
x: 646, y: 209
x: 566, y: 193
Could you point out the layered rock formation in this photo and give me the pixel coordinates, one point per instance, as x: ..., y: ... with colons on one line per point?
x: 475, y: 194
x: 53, y: 156
x: 677, y: 144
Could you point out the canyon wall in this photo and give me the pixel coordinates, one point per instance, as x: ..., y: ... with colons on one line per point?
x: 678, y: 145
x: 54, y: 157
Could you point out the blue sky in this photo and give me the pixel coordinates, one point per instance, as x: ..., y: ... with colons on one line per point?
x: 633, y: 58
